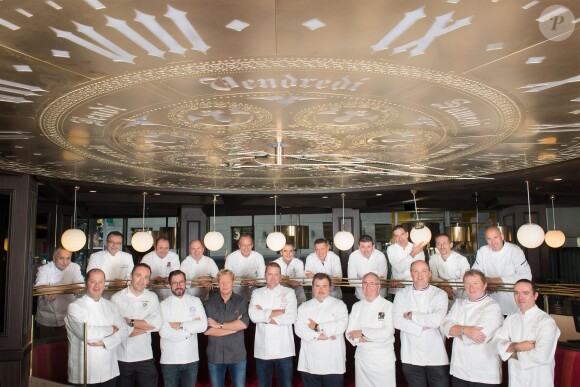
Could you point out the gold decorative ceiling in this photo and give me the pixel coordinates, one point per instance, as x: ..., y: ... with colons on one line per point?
x: 287, y: 95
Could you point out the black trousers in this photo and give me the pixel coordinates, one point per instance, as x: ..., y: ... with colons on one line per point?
x: 456, y: 382
x: 421, y: 376
x: 138, y: 373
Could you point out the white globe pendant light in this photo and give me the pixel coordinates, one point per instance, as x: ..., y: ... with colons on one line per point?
x: 530, y: 235
x: 419, y: 233
x: 142, y: 240
x: 343, y: 240
x: 554, y: 238
x: 213, y: 240
x: 275, y: 240
x: 73, y: 239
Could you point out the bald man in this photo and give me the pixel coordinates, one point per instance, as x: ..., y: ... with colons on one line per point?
x: 502, y: 263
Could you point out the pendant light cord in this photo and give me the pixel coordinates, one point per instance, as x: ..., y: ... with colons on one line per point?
x: 415, y: 201
x: 553, y: 212
x: 75, y: 209
x: 144, y: 194
x: 275, y: 199
x: 529, y: 207
x: 342, y: 226
x: 214, y: 201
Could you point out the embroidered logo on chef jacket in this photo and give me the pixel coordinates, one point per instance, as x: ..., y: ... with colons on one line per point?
x: 381, y: 316
x: 192, y: 311
x: 145, y: 304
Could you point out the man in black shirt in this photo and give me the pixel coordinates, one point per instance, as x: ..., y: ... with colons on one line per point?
x: 227, y: 317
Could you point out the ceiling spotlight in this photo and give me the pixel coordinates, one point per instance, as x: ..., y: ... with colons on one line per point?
x: 530, y: 235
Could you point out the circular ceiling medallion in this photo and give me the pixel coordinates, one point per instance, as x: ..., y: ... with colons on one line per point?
x: 301, y: 124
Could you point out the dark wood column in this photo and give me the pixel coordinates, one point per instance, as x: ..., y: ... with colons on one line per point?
x: 16, y: 282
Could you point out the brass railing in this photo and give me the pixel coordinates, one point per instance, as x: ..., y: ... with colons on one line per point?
x: 567, y: 290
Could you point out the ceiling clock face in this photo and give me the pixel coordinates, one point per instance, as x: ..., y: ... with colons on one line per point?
x: 286, y: 95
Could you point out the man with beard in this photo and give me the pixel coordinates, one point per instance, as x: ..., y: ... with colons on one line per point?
x: 183, y: 318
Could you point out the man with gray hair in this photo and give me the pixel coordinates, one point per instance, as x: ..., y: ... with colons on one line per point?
x: 370, y: 329
x: 52, y: 308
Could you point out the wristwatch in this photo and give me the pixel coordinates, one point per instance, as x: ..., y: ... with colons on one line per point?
x: 316, y: 328
x: 132, y: 323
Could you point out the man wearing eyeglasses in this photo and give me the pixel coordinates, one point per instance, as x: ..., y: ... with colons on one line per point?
x: 183, y: 318
x: 140, y: 309
x: 370, y: 330
x: 116, y: 264
x: 418, y: 311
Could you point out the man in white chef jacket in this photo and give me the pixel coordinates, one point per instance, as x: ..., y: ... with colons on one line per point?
x: 162, y: 262
x: 247, y: 266
x: 183, y: 318
x: 365, y: 260
x: 273, y: 309
x: 418, y: 311
x: 116, y: 264
x: 52, y: 308
x: 502, y: 263
x: 448, y: 266
x: 401, y: 255
x: 140, y: 309
x: 200, y: 268
x: 106, y: 330
x: 325, y: 261
x: 370, y: 329
x: 321, y: 324
x: 528, y: 340
x: 292, y: 267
